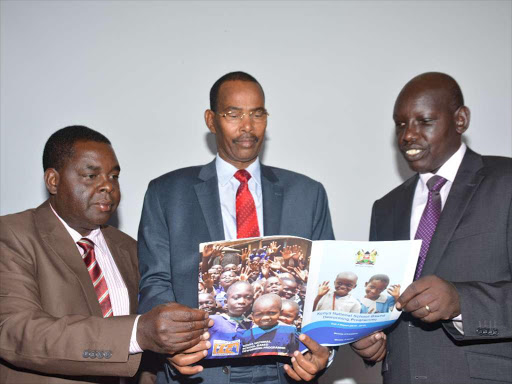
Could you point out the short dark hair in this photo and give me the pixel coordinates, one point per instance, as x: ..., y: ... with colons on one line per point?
x: 232, y: 76
x: 59, y: 147
x: 380, y: 277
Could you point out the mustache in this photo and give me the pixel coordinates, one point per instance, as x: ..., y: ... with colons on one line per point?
x: 246, y: 137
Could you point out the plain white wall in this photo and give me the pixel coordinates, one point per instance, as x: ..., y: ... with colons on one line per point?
x: 140, y: 72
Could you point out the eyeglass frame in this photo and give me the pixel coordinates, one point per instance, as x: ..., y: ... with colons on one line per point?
x: 249, y: 114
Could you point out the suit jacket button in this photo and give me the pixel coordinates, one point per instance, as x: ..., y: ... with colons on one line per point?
x: 92, y: 354
x: 100, y: 354
x: 107, y: 354
x: 225, y: 370
x: 85, y: 355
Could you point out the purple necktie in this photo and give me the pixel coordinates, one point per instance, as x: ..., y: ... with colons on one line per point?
x: 429, y: 219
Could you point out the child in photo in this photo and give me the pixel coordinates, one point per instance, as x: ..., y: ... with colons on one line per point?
x: 374, y: 301
x: 268, y: 336
x: 289, y: 312
x: 227, y: 278
x: 207, y: 303
x: 231, y: 325
x: 340, y: 299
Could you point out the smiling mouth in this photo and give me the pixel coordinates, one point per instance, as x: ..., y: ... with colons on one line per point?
x: 413, y: 154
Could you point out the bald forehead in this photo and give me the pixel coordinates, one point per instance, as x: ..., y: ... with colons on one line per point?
x: 347, y: 275
x: 435, y: 86
x: 269, y: 299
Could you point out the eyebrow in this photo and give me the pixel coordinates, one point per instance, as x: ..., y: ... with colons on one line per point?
x: 97, y: 168
x: 241, y: 109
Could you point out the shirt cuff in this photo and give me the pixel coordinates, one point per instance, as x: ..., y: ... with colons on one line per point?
x: 134, y: 346
x: 457, y: 323
x: 332, y: 353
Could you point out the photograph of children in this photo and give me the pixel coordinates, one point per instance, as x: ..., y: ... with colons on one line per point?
x: 368, y: 281
x: 374, y: 300
x: 254, y: 291
x: 340, y: 298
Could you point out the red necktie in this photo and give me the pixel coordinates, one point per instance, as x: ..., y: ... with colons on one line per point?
x: 96, y: 274
x: 246, y: 217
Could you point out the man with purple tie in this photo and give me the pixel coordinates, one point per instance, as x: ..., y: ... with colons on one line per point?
x: 456, y: 327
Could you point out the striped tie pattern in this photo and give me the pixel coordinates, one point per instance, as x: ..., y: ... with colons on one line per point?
x: 246, y: 217
x: 429, y: 219
x: 97, y: 277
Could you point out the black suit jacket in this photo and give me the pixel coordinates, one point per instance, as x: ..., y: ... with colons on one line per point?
x: 472, y: 248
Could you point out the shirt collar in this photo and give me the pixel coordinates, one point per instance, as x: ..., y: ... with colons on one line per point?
x: 93, y: 236
x: 225, y: 171
x: 449, y: 169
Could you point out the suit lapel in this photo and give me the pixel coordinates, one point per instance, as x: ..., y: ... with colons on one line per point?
x: 208, y: 195
x: 464, y: 186
x: 60, y: 242
x: 272, y: 201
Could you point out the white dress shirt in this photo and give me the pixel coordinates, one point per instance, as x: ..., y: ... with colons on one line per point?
x: 448, y: 171
x: 228, y: 185
x: 116, y: 287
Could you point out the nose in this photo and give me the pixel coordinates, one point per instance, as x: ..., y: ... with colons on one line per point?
x: 410, y: 132
x: 247, y: 123
x: 106, y: 185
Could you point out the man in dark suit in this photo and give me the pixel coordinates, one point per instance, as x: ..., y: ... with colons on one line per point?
x: 457, y: 324
x: 193, y: 205
x: 68, y: 281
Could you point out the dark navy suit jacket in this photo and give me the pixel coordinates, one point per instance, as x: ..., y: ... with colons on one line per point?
x: 182, y: 209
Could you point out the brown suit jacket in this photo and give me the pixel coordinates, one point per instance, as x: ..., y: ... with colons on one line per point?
x: 50, y: 319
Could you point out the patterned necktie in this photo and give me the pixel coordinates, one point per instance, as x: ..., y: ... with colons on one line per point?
x: 429, y: 219
x: 246, y: 217
x: 97, y: 277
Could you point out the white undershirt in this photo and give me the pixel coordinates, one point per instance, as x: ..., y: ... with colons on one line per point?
x: 228, y: 185
x: 448, y: 171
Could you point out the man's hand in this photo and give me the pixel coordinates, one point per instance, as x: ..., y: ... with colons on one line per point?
x: 306, y: 366
x: 430, y: 299
x: 183, y: 361
x: 371, y: 348
x: 171, y: 328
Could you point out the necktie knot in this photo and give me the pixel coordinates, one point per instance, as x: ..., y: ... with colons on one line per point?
x: 435, y: 183
x: 85, y: 244
x: 242, y: 176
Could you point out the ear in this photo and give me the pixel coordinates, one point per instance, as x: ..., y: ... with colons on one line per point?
x: 462, y: 118
x: 51, y: 180
x: 209, y: 117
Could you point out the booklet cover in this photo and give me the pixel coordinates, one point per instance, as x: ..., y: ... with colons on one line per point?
x: 263, y: 292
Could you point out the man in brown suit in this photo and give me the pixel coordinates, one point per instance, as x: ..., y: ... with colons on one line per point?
x: 69, y: 282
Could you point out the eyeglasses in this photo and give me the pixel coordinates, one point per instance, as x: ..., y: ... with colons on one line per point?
x: 257, y: 116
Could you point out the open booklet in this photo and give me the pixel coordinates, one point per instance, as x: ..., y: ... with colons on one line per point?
x: 263, y: 292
